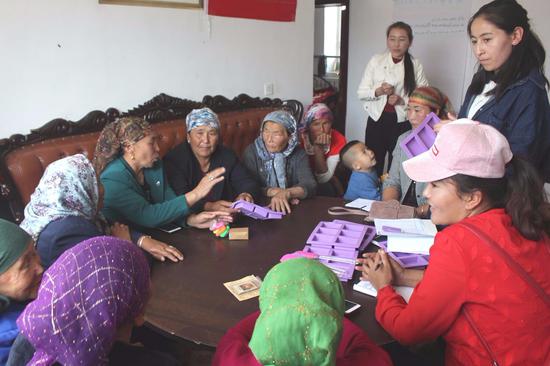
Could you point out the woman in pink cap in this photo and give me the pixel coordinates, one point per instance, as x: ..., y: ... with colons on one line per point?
x: 486, y: 290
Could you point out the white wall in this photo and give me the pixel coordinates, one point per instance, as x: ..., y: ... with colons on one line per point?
x: 64, y: 58
x: 368, y: 22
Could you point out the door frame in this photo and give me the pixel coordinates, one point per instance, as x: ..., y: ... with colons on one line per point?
x: 340, y: 125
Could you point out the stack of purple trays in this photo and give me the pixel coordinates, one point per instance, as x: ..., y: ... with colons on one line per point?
x: 406, y: 260
x: 255, y: 211
x: 341, y: 239
x: 421, y: 138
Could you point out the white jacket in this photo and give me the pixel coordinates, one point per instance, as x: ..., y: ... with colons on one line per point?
x: 381, y: 68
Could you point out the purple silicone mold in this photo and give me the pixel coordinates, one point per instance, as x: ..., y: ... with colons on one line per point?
x: 406, y: 260
x: 255, y: 211
x: 421, y: 138
x: 341, y: 234
x: 369, y: 234
x: 339, y: 239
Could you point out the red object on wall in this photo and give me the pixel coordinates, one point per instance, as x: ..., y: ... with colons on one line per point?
x: 279, y: 10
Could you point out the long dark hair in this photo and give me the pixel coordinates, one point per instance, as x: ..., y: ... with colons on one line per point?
x: 410, y: 80
x: 527, y: 55
x: 520, y: 193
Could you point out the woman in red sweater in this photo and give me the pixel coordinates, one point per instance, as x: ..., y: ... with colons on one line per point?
x: 486, y: 289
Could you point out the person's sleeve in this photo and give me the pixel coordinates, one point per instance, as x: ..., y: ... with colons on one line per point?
x: 61, y: 235
x: 177, y: 177
x: 420, y: 76
x: 135, y: 235
x: 367, y: 88
x: 394, y: 176
x: 304, y: 176
x: 356, y: 348
x: 134, y: 208
x: 241, y: 181
x: 21, y: 352
x: 249, y: 161
x: 233, y: 347
x: 436, y: 301
x: 525, y: 125
x: 332, y: 162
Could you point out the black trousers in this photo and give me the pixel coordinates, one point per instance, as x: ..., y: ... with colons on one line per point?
x: 381, y: 135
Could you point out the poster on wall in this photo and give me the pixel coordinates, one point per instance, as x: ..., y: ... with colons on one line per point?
x: 441, y: 42
x: 277, y: 10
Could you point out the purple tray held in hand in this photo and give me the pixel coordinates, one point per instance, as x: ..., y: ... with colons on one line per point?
x: 421, y: 138
x: 406, y: 260
x: 369, y: 234
x: 255, y: 211
x: 334, y: 234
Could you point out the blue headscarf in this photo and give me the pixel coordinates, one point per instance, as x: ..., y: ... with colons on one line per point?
x: 275, y: 163
x: 202, y: 117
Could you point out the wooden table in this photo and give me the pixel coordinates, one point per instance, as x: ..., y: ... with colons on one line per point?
x: 189, y: 300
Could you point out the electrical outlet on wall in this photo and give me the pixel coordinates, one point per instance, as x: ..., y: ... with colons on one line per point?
x: 268, y: 89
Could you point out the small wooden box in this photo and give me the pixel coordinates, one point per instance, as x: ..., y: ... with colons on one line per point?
x: 238, y: 233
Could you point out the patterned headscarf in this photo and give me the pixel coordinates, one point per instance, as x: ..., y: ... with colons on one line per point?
x: 91, y: 291
x: 202, y: 117
x: 432, y: 98
x: 314, y: 112
x: 275, y: 163
x: 68, y: 188
x: 115, y: 136
x: 302, y: 309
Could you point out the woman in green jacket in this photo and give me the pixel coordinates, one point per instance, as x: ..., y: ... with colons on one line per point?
x: 136, y: 190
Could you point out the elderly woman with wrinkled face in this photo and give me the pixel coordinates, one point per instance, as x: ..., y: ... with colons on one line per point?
x: 279, y: 164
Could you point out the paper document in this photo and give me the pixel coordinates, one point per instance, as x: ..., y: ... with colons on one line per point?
x: 362, y: 203
x: 367, y: 288
x: 410, y: 244
x: 405, y: 227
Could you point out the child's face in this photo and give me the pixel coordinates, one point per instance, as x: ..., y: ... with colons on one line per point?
x: 363, y: 157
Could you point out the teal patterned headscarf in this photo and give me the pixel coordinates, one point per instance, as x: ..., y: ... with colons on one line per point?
x: 275, y: 163
x: 302, y: 309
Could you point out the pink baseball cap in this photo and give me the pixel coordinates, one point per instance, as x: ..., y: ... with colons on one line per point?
x: 462, y: 147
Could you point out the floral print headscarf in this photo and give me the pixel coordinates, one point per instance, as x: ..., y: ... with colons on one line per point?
x: 69, y: 187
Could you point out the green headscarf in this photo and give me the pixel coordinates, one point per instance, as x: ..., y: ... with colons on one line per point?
x: 13, y: 243
x: 302, y: 307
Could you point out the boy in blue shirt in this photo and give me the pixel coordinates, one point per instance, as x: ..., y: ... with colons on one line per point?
x: 364, y: 182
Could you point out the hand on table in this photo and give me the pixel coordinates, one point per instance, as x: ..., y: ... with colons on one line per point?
x: 160, y: 250
x: 280, y: 202
x: 377, y: 268
x: 203, y: 219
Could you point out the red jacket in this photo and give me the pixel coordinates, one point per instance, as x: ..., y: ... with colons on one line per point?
x: 355, y: 347
x: 510, y: 315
